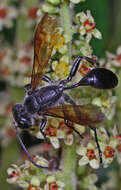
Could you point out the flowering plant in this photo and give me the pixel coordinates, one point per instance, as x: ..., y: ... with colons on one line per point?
x: 73, y: 162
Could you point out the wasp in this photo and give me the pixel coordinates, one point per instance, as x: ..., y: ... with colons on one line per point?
x: 49, y: 100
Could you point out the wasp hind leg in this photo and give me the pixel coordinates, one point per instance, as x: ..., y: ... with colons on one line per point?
x: 97, y: 143
x: 71, y: 127
x: 69, y: 100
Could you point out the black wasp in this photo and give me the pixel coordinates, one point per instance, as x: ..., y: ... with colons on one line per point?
x: 49, y: 100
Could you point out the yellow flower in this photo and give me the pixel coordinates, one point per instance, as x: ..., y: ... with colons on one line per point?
x: 60, y: 42
x: 62, y: 69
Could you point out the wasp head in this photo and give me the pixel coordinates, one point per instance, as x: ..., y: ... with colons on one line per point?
x: 21, y: 116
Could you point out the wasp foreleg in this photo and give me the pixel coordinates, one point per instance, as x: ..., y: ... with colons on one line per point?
x: 46, y: 79
x: 25, y: 149
x: 42, y: 125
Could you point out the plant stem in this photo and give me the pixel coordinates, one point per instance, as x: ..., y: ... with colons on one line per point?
x: 69, y: 152
x: 69, y: 159
x: 66, y: 24
x: 23, y: 32
x: 69, y: 165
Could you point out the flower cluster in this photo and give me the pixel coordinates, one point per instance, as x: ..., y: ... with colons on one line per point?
x: 7, y: 131
x: 16, y: 65
x: 114, y: 59
x: 5, y: 57
x: 61, y: 49
x: 25, y: 177
x: 31, y: 14
x: 56, y: 130
x: 89, y: 154
x: 107, y: 103
x: 8, y: 14
x: 118, y: 148
x: 87, y: 26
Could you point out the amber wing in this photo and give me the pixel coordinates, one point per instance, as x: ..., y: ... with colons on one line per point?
x: 80, y: 114
x: 44, y: 41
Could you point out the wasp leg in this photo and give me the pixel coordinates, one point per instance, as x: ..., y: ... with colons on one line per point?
x: 27, y: 87
x: 71, y: 127
x: 42, y: 126
x: 76, y: 64
x: 97, y: 143
x: 74, y: 68
x: 46, y: 79
x: 92, y: 61
x: 25, y: 150
x: 69, y: 100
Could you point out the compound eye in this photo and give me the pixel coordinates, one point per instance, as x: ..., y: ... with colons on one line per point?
x: 23, y: 124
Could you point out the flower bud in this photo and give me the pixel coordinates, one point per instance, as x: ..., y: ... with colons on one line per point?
x: 54, y: 2
x: 50, y: 9
x: 35, y: 181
